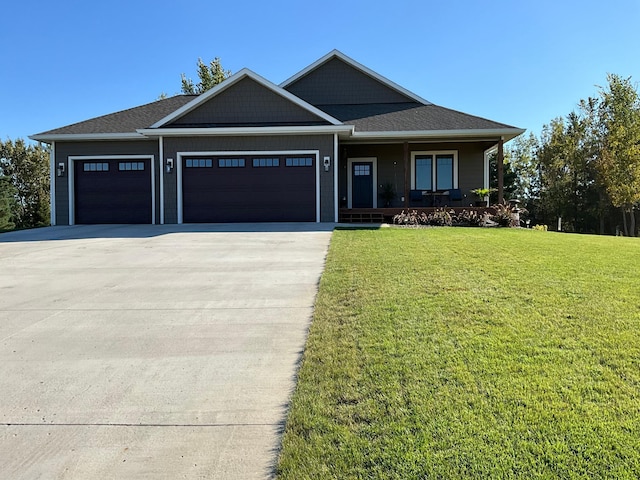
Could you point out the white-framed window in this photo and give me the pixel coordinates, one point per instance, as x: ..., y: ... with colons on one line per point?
x: 434, y: 171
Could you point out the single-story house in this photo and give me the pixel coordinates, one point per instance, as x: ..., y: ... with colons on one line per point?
x: 334, y: 138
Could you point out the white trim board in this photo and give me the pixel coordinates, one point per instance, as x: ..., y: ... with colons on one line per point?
x: 52, y: 184
x: 71, y: 179
x: 178, y: 168
x: 374, y: 172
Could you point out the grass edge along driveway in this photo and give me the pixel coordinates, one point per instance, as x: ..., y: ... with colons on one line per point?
x: 470, y: 353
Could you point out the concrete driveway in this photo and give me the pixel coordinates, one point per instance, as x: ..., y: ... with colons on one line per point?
x: 156, y: 352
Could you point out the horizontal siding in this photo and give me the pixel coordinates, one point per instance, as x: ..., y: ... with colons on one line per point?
x: 391, y: 166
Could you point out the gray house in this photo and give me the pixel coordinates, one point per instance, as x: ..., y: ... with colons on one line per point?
x: 324, y: 145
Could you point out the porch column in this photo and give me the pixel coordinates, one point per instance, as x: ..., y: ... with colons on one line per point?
x: 406, y: 174
x: 500, y: 161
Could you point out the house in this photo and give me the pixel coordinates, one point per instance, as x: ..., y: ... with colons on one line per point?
x: 326, y: 141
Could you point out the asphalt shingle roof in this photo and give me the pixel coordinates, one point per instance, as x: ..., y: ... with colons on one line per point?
x: 126, y: 121
x: 373, y: 117
x: 410, y: 116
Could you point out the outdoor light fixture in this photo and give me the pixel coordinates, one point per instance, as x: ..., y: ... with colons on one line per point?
x: 61, y: 169
x: 169, y: 165
x: 327, y: 163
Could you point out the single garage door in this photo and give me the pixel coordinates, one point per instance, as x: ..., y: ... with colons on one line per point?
x: 112, y: 191
x: 258, y: 188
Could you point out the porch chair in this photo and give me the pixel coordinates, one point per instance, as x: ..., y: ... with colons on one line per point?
x: 455, y: 195
x: 416, y: 199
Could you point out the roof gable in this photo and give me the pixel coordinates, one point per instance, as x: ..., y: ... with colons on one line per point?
x: 358, y: 84
x: 246, y: 99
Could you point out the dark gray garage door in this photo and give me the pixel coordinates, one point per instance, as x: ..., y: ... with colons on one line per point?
x: 112, y: 191
x: 260, y: 188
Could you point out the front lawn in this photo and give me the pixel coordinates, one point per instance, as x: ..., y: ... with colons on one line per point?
x: 470, y: 353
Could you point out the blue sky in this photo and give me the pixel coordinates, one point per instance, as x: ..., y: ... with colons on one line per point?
x: 518, y: 62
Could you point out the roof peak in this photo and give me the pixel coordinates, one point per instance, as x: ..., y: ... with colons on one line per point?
x: 358, y: 66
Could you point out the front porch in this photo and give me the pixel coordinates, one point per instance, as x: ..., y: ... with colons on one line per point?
x: 385, y: 215
x: 378, y: 180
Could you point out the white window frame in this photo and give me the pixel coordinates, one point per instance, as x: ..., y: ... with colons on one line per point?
x: 434, y: 154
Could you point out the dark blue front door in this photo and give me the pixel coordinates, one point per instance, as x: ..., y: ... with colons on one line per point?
x: 362, y: 184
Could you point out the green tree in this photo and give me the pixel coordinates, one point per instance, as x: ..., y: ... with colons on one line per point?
x: 568, y: 186
x: 7, y: 199
x: 618, y: 164
x: 27, y: 168
x: 209, y: 75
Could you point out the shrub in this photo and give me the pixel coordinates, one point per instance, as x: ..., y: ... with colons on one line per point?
x: 505, y: 215
x: 440, y: 218
x: 541, y: 228
x: 410, y: 218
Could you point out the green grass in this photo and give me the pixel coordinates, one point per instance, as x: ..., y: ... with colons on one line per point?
x: 470, y: 353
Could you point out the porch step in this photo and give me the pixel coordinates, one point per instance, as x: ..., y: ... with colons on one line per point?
x: 361, y: 217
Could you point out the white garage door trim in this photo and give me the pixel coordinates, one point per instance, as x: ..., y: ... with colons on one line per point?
x: 179, y: 155
x: 71, y: 170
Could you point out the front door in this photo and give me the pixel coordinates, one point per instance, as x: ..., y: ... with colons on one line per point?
x: 362, y: 184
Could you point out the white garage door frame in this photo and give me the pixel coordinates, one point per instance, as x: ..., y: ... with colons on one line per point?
x: 180, y: 155
x: 71, y: 169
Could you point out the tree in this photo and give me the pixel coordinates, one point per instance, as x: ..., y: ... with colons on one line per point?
x: 7, y: 199
x: 209, y: 75
x: 618, y: 164
x: 27, y: 168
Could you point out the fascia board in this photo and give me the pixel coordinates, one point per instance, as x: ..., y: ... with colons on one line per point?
x: 359, y: 66
x: 234, y: 131
x: 245, y: 72
x: 506, y: 133
x: 71, y: 137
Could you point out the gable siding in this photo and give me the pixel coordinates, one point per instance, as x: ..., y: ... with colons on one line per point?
x: 319, y: 87
x: 248, y: 103
x: 66, y: 149
x: 322, y: 143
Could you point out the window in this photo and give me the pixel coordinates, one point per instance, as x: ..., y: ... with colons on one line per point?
x: 266, y: 162
x: 127, y: 166
x: 435, y: 171
x: 299, y: 162
x: 198, y: 163
x: 444, y: 172
x: 95, y: 167
x: 423, y: 173
x: 362, y: 170
x: 230, y: 162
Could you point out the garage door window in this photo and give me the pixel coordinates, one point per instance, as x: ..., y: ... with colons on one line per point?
x: 266, y: 162
x: 95, y: 167
x: 299, y: 162
x: 199, y: 163
x: 127, y: 166
x: 230, y: 162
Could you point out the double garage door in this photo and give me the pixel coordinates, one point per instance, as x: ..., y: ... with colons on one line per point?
x: 227, y: 188
x: 249, y: 188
